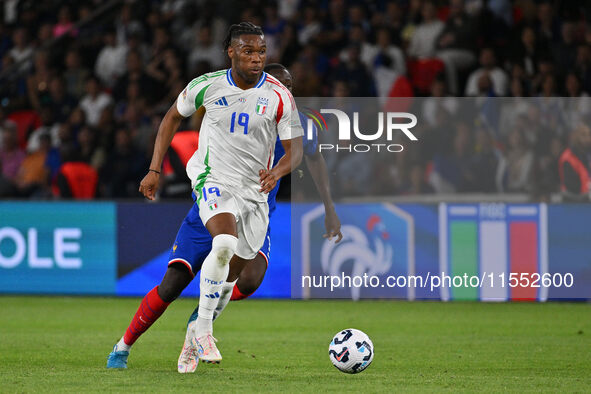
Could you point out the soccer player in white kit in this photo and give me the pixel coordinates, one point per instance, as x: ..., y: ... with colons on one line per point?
x: 246, y: 109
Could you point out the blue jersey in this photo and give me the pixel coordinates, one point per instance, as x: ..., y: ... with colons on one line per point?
x: 310, y: 146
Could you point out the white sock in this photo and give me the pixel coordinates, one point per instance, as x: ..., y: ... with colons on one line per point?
x: 122, y: 346
x: 213, y: 274
x: 226, y: 294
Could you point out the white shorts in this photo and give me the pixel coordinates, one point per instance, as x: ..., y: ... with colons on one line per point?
x: 252, y: 217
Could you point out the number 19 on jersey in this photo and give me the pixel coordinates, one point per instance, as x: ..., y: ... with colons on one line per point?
x: 242, y: 121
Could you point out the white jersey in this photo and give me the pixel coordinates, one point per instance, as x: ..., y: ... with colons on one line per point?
x: 239, y: 130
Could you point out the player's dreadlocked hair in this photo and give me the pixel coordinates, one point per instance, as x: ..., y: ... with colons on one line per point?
x: 241, y: 28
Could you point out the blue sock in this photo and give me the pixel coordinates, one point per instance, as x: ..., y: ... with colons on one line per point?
x: 193, y: 316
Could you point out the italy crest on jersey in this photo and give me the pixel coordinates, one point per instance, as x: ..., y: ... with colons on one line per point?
x: 262, y: 104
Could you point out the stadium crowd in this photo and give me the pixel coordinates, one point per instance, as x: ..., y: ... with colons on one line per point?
x: 88, y: 88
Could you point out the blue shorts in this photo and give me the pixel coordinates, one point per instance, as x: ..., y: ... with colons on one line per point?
x: 193, y: 243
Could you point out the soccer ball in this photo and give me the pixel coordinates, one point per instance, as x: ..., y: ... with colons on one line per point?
x: 351, y: 351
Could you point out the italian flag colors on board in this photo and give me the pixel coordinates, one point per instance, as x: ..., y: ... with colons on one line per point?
x: 493, y: 242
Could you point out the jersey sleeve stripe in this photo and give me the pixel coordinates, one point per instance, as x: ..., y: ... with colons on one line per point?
x: 200, y: 96
x: 279, y: 107
x: 276, y: 82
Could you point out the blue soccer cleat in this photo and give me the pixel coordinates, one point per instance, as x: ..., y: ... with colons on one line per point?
x: 117, y: 359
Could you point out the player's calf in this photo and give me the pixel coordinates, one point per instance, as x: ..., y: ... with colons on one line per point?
x: 151, y: 308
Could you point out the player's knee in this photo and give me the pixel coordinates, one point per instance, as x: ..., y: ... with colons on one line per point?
x: 223, y: 247
x: 252, y: 275
x: 247, y: 287
x: 175, y: 280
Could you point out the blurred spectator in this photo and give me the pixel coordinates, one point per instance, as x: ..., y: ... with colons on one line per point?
x: 288, y: 46
x: 357, y: 16
x: 33, y: 176
x: 422, y: 43
x: 110, y: 63
x: 565, y: 50
x: 582, y: 66
x: 90, y: 152
x: 517, y: 88
x: 456, y: 43
x: 38, y: 81
x: 502, y: 9
x: 205, y: 49
x: 273, y: 27
x: 438, y: 102
x: 514, y: 172
x: 22, y: 50
x: 407, y: 22
x: 333, y: 35
x: 94, y: 101
x: 150, y: 88
x: 123, y: 167
x: 64, y: 23
x: 45, y: 33
x: 11, y: 159
x: 485, y: 162
x: 308, y: 81
x: 196, y: 17
x: 311, y: 25
x: 528, y: 51
x: 452, y: 170
x: 75, y: 74
x: 354, y: 72
x: 48, y: 127
x: 548, y: 25
x: 498, y: 85
x: 385, y: 55
x: 5, y: 41
x: 357, y: 37
x: 574, y: 166
x: 417, y: 183
x: 125, y: 25
x: 61, y: 103
x: 572, y: 86
x: 546, y: 174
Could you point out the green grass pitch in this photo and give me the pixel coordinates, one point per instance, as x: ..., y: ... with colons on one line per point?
x: 60, y: 344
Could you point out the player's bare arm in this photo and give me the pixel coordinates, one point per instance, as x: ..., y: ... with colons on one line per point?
x: 169, y: 125
x: 319, y: 172
x: 197, y: 118
x: 293, y: 157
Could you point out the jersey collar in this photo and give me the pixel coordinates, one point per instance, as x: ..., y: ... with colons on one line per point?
x: 232, y: 83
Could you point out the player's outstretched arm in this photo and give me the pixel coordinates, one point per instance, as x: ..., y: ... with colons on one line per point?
x: 317, y: 167
x: 169, y: 125
x: 293, y: 157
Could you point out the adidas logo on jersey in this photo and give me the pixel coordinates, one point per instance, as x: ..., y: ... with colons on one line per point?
x: 222, y: 102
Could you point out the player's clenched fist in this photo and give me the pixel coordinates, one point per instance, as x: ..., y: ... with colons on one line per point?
x: 149, y: 185
x: 268, y: 180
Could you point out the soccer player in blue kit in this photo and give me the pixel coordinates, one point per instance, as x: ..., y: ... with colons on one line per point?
x: 193, y: 240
